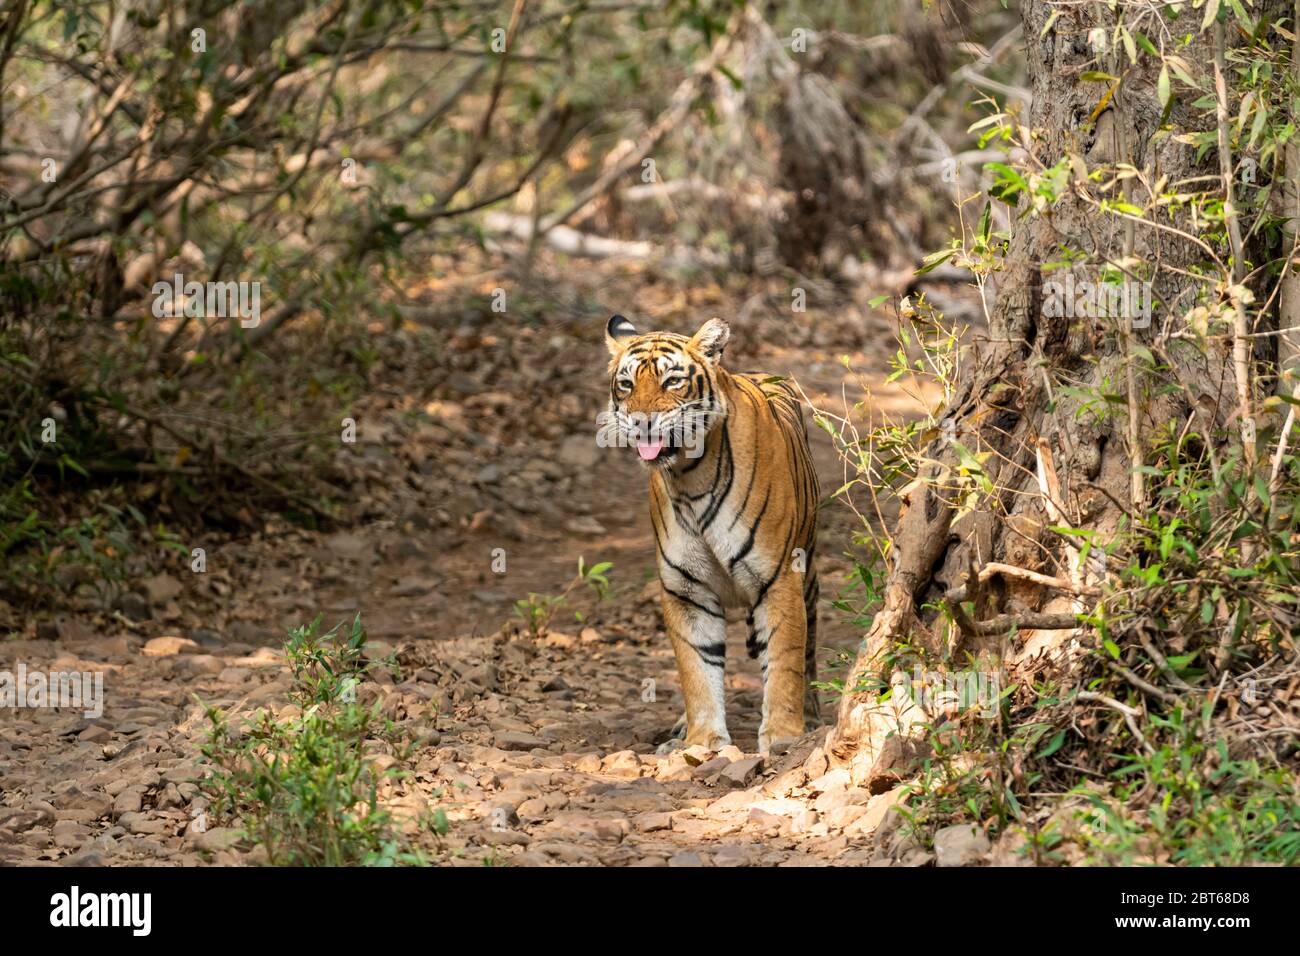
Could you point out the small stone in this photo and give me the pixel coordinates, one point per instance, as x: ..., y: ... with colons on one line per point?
x: 567, y: 852
x: 205, y: 636
x: 579, y: 451
x: 95, y: 734
x: 87, y: 857
x: 414, y: 585
x: 349, y: 546
x: 831, y: 799
x: 839, y: 817
x: 650, y: 822
x: 49, y: 813
x: 801, y: 821
x: 711, y: 767
x: 588, y: 763
x: 69, y: 835
x: 197, y: 665
x: 181, y: 773
x: 961, y: 845
x: 741, y: 773
x: 625, y: 763
x: 216, y: 839
x: 673, y: 768
x: 534, y: 808
x: 816, y: 762
x: 764, y: 820
x: 610, y: 830
x: 685, y: 858
x: 506, y: 838
x: 502, y: 814
x: 517, y: 740
x: 19, y: 821
x: 128, y: 801
x: 169, y: 647
x: 161, y: 588
x: 832, y: 782
x: 732, y: 856
x: 141, y: 823
x: 732, y: 802
x: 133, y: 606
x: 879, y: 806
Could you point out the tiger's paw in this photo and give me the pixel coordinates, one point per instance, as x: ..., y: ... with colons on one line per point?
x: 712, y: 740
x: 713, y: 743
x: 676, y: 738
x: 778, y: 740
x: 671, y: 745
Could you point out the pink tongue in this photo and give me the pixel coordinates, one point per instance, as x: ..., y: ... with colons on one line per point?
x: 649, y: 450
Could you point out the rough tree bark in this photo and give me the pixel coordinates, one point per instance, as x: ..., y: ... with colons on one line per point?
x: 1053, y: 462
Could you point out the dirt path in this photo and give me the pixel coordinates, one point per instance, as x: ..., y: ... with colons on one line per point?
x: 540, y: 751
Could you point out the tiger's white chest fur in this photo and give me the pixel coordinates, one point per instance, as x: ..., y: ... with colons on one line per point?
x: 707, y: 546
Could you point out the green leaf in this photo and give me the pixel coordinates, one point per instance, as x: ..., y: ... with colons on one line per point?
x: 1052, y: 747
x: 1129, y: 46
x: 736, y: 82
x: 934, y: 260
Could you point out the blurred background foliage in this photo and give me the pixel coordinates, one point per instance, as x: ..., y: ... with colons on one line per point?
x: 347, y: 156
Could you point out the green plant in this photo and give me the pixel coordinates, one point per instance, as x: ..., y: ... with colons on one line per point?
x: 536, y: 610
x: 1157, y: 745
x: 304, y: 785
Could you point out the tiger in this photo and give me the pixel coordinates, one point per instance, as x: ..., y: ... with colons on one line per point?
x: 733, y: 505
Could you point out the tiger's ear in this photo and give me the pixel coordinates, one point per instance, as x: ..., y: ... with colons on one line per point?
x: 711, y: 339
x: 617, y: 332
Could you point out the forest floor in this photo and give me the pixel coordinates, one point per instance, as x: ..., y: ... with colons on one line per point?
x: 539, y: 749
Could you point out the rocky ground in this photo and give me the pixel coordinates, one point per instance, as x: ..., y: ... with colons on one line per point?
x: 539, y: 749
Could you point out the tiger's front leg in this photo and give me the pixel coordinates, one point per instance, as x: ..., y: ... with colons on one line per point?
x: 697, y: 627
x: 779, y: 632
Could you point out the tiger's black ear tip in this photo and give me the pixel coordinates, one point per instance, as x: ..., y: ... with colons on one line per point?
x: 619, y: 327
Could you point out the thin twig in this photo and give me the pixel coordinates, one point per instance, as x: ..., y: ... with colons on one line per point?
x: 1129, y: 713
x: 1011, y: 571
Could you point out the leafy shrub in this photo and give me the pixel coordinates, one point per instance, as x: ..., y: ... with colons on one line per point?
x: 304, y: 786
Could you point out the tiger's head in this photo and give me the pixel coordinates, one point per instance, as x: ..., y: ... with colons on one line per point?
x: 663, y: 390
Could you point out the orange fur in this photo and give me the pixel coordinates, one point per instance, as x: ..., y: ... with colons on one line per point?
x: 735, y: 525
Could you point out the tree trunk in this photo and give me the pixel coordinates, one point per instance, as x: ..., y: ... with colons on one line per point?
x: 1056, y: 460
